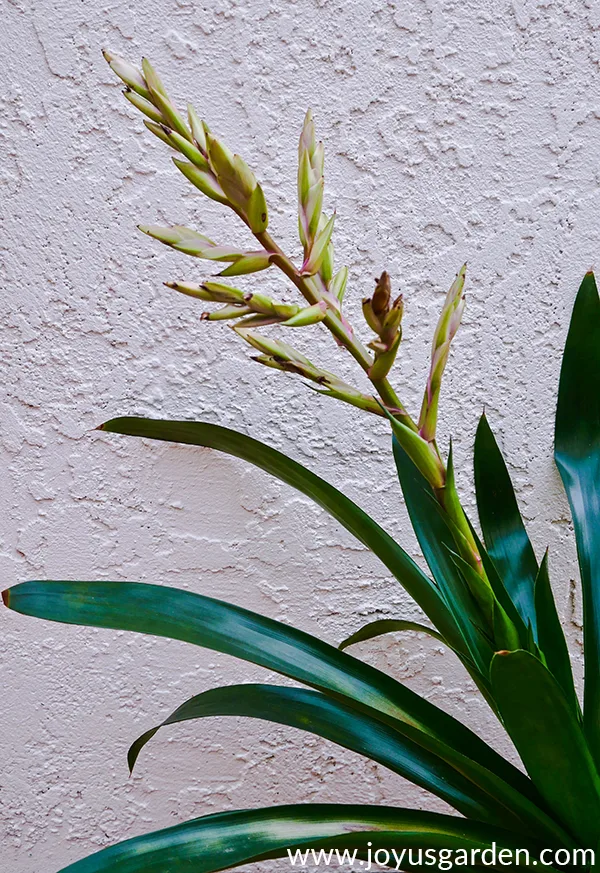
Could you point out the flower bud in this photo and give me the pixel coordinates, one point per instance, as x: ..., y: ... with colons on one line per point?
x: 338, y: 284
x: 227, y: 312
x: 318, y: 251
x: 189, y: 290
x: 214, y: 292
x: 318, y: 159
x: 380, y: 302
x: 391, y: 324
x: 445, y: 331
x: 307, y: 137
x: 170, y: 115
x: 310, y: 184
x: 143, y: 105
x: 370, y: 317
x: 248, y: 262
x: 159, y: 131
x: 188, y: 241
x: 305, y: 180
x: 309, y: 315
x: 179, y: 237
x: 256, y: 211
x: 193, y: 154
x: 197, y: 129
x: 259, y: 303
x: 155, y: 86
x: 268, y: 346
x: 239, y: 184
x: 203, y: 180
x: 127, y: 73
x: 222, y: 293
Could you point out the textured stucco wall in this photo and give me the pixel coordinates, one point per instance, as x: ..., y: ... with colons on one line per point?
x: 455, y: 131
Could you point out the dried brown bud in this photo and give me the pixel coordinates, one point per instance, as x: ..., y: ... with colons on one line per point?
x: 381, y: 296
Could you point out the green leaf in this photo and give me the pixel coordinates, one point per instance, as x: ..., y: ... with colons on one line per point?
x: 551, y: 638
x: 314, y: 712
x: 203, y: 621
x: 504, y: 533
x: 364, y: 528
x: 437, y: 543
x: 501, y: 594
x: 419, y: 451
x: 257, y: 213
x: 230, y: 839
x: 577, y: 455
x: 550, y: 741
x: 503, y: 633
x: 392, y: 625
x: 388, y: 626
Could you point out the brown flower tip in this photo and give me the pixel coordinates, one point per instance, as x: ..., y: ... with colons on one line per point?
x: 381, y: 296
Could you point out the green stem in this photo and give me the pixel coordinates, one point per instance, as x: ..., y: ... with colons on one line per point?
x: 338, y: 329
x: 465, y: 543
x: 446, y: 495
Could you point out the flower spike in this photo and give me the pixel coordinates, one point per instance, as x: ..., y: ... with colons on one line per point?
x: 445, y: 331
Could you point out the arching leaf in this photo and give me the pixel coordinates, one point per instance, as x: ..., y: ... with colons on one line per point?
x: 388, y: 626
x: 354, y: 519
x: 315, y: 712
x: 203, y: 621
x: 230, y: 839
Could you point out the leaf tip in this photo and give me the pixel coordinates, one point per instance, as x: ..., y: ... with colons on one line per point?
x: 131, y: 759
x: 6, y: 597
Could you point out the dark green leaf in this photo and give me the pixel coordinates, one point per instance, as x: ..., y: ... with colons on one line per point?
x: 550, y: 741
x: 181, y: 615
x: 230, y: 839
x: 551, y: 638
x: 577, y: 455
x: 501, y: 594
x: 504, y: 533
x: 314, y: 712
x: 337, y: 504
x: 388, y: 626
x: 436, y: 541
x: 504, y: 634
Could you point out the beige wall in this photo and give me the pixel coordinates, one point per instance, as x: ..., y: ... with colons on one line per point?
x: 454, y: 132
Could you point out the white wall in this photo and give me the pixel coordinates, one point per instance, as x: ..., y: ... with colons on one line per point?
x: 454, y: 131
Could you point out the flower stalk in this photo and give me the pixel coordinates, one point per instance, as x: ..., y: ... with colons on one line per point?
x: 226, y: 178
x: 448, y: 324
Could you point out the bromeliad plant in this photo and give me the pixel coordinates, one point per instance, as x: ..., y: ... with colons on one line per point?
x: 490, y: 602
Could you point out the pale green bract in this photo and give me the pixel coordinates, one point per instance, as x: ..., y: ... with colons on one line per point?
x: 487, y: 598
